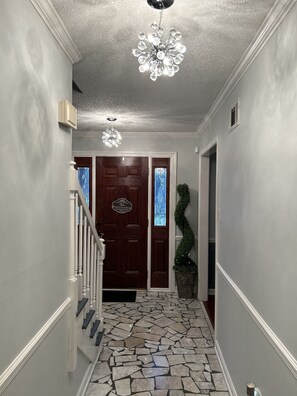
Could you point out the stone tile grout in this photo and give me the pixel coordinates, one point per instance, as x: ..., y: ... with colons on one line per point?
x: 179, y: 323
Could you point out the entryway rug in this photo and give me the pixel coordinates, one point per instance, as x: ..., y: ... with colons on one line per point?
x: 119, y: 296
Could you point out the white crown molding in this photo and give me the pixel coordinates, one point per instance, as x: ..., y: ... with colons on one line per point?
x: 276, y: 343
x: 149, y: 154
x: 18, y: 363
x: 53, y: 21
x: 137, y: 135
x: 225, y: 370
x: 275, y: 17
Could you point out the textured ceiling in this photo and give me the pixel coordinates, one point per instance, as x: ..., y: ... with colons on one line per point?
x: 215, y: 32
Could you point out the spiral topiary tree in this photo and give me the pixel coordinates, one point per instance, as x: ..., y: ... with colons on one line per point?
x: 182, y: 261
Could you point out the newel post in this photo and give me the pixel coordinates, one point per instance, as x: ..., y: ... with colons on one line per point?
x: 72, y: 273
x: 100, y: 286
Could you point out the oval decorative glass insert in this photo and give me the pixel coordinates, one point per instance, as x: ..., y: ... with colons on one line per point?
x: 122, y: 205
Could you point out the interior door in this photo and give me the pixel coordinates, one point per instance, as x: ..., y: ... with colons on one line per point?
x: 122, y: 217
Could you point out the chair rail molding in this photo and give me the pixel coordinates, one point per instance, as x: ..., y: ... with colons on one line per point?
x: 272, y: 338
x: 18, y: 363
x: 53, y: 21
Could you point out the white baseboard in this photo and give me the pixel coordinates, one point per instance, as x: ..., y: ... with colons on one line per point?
x: 85, y: 382
x: 88, y: 375
x: 225, y: 371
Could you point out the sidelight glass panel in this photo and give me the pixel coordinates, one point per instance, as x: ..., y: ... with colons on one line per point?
x: 160, y: 177
x: 84, y: 181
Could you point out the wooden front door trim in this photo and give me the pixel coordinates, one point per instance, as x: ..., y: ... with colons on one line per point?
x: 172, y: 191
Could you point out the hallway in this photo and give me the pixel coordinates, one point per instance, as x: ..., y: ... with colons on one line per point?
x: 159, y: 346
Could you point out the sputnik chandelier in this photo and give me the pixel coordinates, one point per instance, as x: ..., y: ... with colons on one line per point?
x: 155, y: 54
x: 111, y: 137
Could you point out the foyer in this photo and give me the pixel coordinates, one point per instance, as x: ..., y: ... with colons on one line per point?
x: 237, y: 95
x: 158, y: 346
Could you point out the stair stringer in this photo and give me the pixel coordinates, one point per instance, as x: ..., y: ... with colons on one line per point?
x: 86, y: 344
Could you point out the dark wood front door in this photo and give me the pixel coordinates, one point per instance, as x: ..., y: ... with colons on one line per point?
x: 122, y: 217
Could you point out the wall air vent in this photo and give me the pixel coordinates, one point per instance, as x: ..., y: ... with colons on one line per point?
x: 67, y: 114
x: 234, y: 117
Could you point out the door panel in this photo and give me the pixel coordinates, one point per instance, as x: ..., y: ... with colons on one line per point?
x: 112, y: 246
x: 125, y: 233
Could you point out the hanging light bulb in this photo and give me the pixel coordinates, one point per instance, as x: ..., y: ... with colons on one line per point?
x: 156, y: 54
x: 111, y: 137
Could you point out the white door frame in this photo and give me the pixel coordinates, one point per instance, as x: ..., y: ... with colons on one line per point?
x: 172, y: 201
x: 203, y: 216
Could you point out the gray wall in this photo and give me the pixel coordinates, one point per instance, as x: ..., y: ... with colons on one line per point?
x: 34, y: 200
x: 257, y: 201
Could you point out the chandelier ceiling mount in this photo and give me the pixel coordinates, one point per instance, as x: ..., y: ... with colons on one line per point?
x: 160, y: 4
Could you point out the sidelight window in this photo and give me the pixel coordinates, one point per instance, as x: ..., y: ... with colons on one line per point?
x: 160, y: 196
x: 84, y: 174
x: 84, y: 181
x: 160, y: 222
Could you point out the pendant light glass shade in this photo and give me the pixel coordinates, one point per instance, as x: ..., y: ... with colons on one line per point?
x: 111, y: 137
x: 157, y: 54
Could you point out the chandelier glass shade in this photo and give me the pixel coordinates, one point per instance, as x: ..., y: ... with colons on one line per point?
x: 111, y: 137
x: 157, y: 54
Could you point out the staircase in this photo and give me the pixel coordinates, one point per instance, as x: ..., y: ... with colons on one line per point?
x: 89, y: 330
x: 87, y: 253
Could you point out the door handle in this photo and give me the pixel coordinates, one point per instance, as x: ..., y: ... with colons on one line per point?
x: 98, y: 224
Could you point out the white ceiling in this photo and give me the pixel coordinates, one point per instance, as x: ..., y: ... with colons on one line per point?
x: 215, y: 32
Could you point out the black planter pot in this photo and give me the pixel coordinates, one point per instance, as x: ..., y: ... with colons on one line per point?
x: 185, y: 284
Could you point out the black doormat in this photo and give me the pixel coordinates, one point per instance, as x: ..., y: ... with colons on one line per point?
x: 119, y: 296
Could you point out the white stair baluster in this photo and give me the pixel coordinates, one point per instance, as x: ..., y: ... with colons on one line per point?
x: 72, y: 339
x: 76, y: 232
x: 95, y: 276
x: 92, y: 272
x: 100, y: 280
x: 88, y: 261
x: 80, y: 236
x: 84, y: 288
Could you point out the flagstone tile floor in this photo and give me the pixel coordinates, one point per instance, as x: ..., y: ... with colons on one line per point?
x: 158, y: 346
